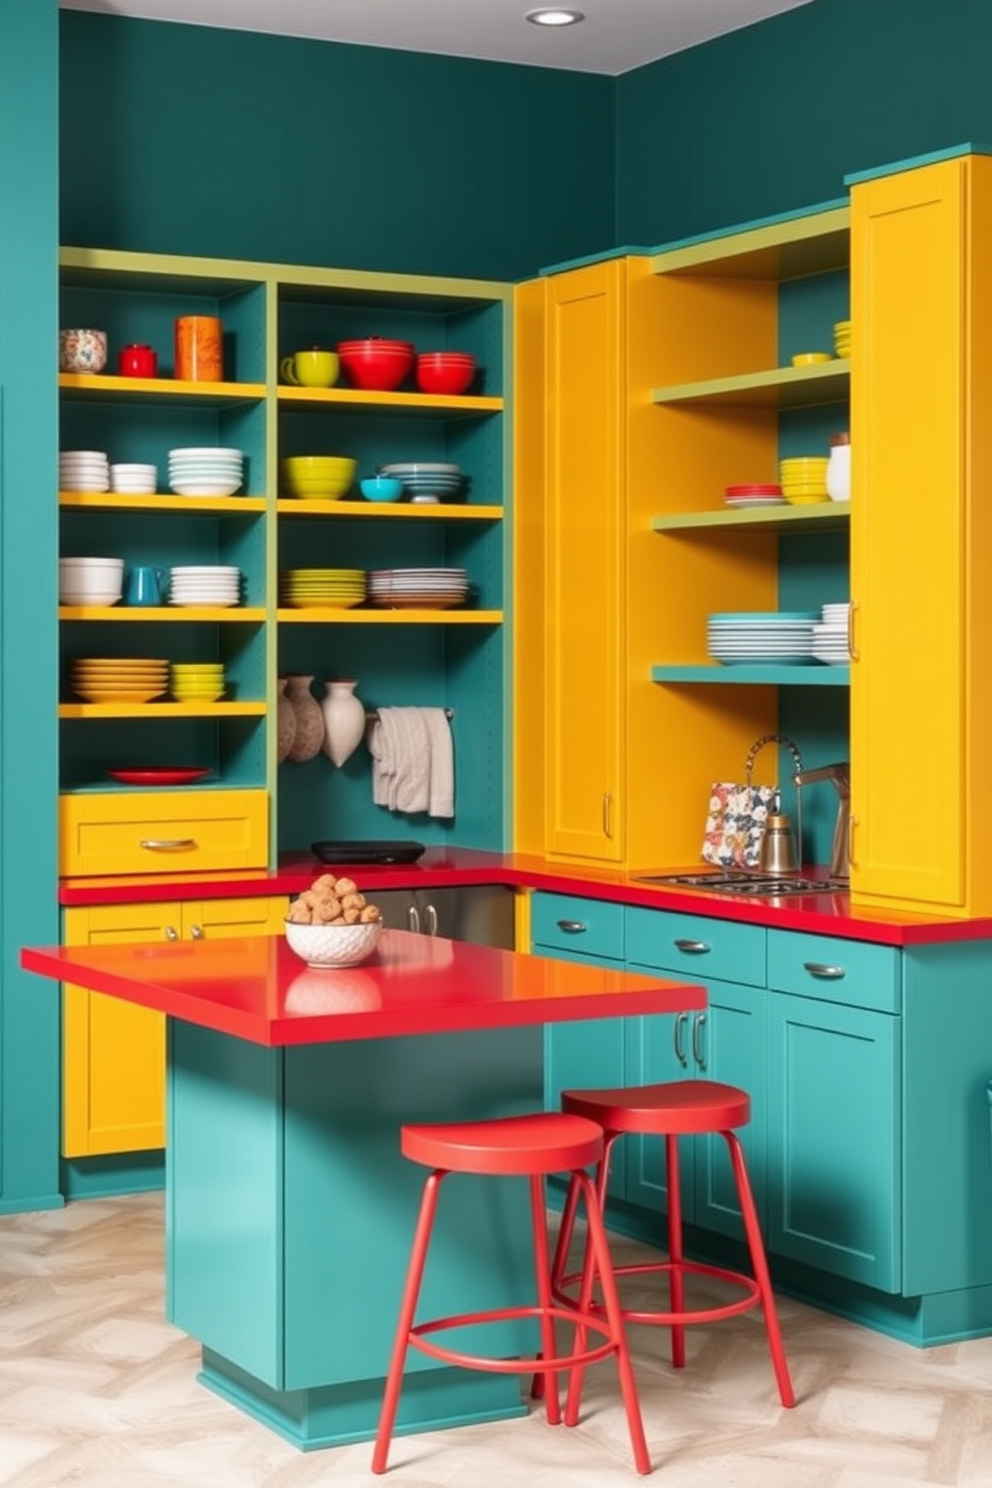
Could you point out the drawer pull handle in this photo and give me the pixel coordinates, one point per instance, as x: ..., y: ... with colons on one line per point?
x: 167, y: 844
x: 825, y: 972
x: 681, y: 1019
x: 413, y: 919
x: 693, y: 947
x: 171, y: 933
x: 572, y: 927
x: 698, y: 1053
x: 431, y: 914
x: 196, y: 932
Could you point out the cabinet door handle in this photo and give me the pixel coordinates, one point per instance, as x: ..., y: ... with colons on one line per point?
x: 852, y: 822
x: 572, y: 927
x: 166, y: 844
x: 693, y: 947
x: 196, y: 932
x: 824, y: 971
x: 171, y: 933
x: 607, y: 815
x: 681, y: 1019
x: 698, y: 1052
x: 413, y: 919
x: 852, y: 649
x: 431, y: 917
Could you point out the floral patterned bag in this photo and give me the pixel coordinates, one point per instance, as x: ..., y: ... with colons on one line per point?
x: 738, y: 813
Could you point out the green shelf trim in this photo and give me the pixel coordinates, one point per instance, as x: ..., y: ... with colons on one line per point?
x: 913, y: 162
x: 792, y: 248
x: 813, y: 675
x: 827, y: 515
x: 782, y: 387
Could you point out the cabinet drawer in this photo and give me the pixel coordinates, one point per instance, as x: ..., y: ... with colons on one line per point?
x: 117, y: 834
x: 833, y: 970
x: 691, y: 944
x: 584, y: 926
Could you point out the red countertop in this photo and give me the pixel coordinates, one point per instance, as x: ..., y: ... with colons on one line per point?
x: 829, y: 913
x: 255, y: 988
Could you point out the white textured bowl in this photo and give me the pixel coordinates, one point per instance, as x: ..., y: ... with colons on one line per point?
x: 333, y: 945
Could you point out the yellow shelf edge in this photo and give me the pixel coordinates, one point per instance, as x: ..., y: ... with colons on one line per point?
x: 816, y: 243
x: 162, y: 710
x: 780, y: 387
x: 352, y: 397
x: 169, y: 387
x: 168, y: 613
x: 389, y: 617
x: 114, y: 501
x: 447, y: 511
x: 828, y: 513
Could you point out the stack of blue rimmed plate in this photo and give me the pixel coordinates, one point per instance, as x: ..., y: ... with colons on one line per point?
x: 427, y: 480
x: 784, y: 637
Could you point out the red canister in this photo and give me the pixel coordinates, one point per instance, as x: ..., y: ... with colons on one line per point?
x: 199, y: 348
x: 137, y: 360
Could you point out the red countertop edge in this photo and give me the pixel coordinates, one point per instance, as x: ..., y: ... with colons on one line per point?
x: 830, y: 913
x: 255, y: 988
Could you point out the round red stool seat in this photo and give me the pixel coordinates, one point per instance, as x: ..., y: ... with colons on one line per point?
x: 531, y: 1147
x: 670, y: 1110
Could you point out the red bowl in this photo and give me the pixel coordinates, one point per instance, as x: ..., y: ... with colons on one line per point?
x: 375, y: 366
x: 452, y: 378
x: 375, y: 343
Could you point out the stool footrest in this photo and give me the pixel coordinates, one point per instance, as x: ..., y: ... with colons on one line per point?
x: 557, y: 1365
x: 752, y: 1297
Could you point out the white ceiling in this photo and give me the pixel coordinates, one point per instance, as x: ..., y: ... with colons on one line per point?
x: 616, y: 36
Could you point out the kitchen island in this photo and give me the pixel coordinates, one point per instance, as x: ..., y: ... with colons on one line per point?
x: 289, y: 1208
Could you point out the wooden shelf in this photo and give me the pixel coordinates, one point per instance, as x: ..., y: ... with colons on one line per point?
x: 782, y: 387
x: 814, y: 675
x: 826, y: 516
x: 163, y: 710
x: 446, y: 511
x: 795, y: 249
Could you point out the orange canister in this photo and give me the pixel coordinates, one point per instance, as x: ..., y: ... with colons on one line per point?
x: 199, y: 348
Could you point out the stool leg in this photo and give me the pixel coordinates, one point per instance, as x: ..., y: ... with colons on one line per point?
x: 598, y: 1256
x: 676, y: 1281
x: 542, y: 1264
x: 408, y: 1307
x: 752, y: 1229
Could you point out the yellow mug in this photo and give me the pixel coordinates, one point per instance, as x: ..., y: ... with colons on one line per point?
x: 313, y: 369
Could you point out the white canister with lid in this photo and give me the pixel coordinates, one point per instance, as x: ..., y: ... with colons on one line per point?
x: 839, y: 468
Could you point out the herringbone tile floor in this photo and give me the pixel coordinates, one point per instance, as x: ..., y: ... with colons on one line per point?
x: 97, y: 1391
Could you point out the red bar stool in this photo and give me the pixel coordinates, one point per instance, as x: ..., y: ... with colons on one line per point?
x: 678, y: 1108
x: 533, y: 1147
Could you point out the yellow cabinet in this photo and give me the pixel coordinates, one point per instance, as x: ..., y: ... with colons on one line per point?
x: 921, y: 537
x: 113, y: 1071
x: 161, y: 832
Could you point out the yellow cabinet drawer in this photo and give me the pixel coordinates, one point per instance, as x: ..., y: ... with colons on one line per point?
x: 161, y: 833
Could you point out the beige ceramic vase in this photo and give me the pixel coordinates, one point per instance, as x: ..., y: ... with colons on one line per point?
x: 309, y: 734
x: 286, y: 719
x: 344, y: 719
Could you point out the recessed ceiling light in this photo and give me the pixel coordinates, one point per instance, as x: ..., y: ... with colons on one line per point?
x: 554, y: 15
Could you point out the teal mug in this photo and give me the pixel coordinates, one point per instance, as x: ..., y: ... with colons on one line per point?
x: 144, y: 585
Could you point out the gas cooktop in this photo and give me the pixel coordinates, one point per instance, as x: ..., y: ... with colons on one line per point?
x: 744, y: 881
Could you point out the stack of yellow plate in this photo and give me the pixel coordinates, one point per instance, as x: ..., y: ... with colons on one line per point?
x: 842, y: 338
x: 804, y: 479
x: 196, y: 681
x: 100, y: 679
x: 337, y: 588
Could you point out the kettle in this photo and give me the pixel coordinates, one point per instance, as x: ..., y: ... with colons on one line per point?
x: 839, y: 775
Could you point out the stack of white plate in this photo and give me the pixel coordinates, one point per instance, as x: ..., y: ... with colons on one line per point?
x: 784, y: 637
x: 205, y: 470
x: 427, y: 480
x: 205, y: 584
x: 830, y: 636
x: 84, y: 470
x: 134, y: 480
x: 313, y: 588
x: 418, y: 588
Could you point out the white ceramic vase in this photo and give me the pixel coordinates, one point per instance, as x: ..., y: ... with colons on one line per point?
x: 309, y: 734
x: 344, y: 719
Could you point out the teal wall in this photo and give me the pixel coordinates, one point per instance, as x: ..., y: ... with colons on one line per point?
x: 770, y: 119
x: 233, y: 144
x: 29, y: 1016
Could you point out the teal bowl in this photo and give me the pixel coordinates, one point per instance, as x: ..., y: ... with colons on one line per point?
x: 381, y: 488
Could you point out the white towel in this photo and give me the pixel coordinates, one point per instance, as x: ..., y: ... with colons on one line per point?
x: 413, y: 761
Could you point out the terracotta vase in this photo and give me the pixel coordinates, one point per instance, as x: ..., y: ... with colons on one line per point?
x: 309, y: 734
x: 344, y: 719
x: 286, y: 719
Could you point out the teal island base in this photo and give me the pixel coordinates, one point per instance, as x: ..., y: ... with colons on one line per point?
x: 290, y: 1214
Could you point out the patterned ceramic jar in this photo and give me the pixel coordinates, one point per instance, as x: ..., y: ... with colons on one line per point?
x: 82, y: 351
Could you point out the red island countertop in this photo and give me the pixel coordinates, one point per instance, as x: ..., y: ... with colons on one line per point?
x: 827, y: 913
x: 256, y: 988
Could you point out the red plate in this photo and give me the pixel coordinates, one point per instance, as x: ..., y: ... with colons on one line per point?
x: 753, y: 490
x: 176, y: 775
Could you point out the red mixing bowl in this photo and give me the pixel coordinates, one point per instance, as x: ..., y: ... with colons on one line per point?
x: 375, y: 364
x: 444, y: 372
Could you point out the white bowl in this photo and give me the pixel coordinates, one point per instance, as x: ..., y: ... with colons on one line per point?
x: 333, y: 945
x: 117, y: 564
x: 204, y: 487
x: 106, y: 597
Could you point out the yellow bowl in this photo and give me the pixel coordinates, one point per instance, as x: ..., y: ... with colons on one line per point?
x: 810, y: 358
x: 318, y: 464
x: 809, y: 500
